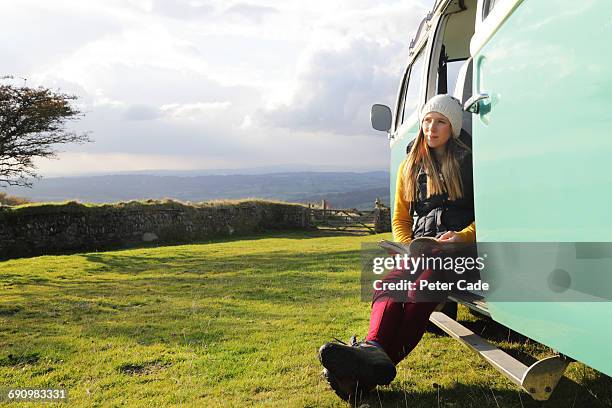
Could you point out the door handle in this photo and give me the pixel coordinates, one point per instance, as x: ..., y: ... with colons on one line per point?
x: 472, y: 105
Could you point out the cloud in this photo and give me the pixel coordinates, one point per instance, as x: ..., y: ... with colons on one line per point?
x: 250, y: 12
x: 36, y: 34
x: 194, y: 10
x: 141, y: 112
x: 182, y: 9
x: 86, y: 162
x: 216, y: 81
x: 149, y: 110
x: 137, y: 83
x: 355, y: 59
x: 149, y: 130
x: 193, y: 110
x: 336, y: 88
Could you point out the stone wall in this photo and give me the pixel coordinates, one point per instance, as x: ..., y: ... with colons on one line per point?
x: 51, y: 229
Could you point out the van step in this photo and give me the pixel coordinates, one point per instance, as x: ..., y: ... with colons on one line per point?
x: 539, y: 379
x: 472, y: 300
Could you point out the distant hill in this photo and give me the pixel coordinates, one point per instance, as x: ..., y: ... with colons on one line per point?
x: 273, y: 169
x: 341, y: 189
x: 361, y: 199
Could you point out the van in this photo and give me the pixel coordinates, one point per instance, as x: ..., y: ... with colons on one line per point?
x: 534, y: 77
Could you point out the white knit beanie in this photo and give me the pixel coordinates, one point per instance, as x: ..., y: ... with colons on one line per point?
x: 447, y: 106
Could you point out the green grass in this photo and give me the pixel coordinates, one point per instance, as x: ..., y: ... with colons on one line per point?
x: 233, y: 323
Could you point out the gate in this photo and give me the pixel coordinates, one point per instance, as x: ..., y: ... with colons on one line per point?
x: 343, y: 220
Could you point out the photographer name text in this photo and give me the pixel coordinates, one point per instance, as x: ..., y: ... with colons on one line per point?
x: 423, y: 284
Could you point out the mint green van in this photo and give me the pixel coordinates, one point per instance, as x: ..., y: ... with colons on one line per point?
x: 535, y: 78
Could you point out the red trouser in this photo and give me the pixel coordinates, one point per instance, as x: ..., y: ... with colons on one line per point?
x: 398, y: 326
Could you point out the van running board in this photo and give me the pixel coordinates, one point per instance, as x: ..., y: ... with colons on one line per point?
x: 538, y: 380
x: 472, y: 300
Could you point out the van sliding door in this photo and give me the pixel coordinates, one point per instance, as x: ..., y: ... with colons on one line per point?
x: 542, y: 143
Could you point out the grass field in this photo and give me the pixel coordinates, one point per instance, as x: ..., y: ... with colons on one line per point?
x: 233, y: 323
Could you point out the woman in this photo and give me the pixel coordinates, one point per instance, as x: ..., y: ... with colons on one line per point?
x: 435, y: 182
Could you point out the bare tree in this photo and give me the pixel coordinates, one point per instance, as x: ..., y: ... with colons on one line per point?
x: 32, y: 124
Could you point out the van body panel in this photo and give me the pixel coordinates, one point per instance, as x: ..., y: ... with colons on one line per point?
x: 487, y: 27
x: 542, y: 167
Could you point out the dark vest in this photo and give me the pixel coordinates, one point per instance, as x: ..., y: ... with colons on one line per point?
x: 437, y: 214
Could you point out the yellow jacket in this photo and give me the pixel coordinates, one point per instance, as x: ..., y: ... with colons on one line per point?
x: 402, y: 218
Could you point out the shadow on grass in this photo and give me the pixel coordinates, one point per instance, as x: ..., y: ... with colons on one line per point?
x: 256, y: 236
x: 492, y: 331
x: 209, y: 263
x: 568, y: 394
x: 594, y: 390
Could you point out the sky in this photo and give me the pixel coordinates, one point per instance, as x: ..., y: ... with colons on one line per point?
x: 206, y: 84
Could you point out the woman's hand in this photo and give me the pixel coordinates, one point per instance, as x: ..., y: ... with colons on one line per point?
x: 450, y: 236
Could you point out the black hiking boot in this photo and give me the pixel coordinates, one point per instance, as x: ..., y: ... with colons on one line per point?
x: 360, y: 362
x: 347, y: 389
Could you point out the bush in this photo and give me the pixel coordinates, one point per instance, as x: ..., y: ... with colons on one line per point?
x: 6, y: 199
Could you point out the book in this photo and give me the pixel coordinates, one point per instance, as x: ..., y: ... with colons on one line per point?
x: 416, y: 247
x: 394, y: 247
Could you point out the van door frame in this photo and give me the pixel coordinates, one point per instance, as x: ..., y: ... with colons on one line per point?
x: 397, y: 127
x: 424, y: 45
x: 436, y: 41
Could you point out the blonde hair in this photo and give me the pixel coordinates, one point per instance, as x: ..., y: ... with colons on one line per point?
x: 446, y: 179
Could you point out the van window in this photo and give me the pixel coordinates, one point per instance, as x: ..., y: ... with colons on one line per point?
x: 452, y: 71
x: 487, y: 7
x: 412, y: 90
